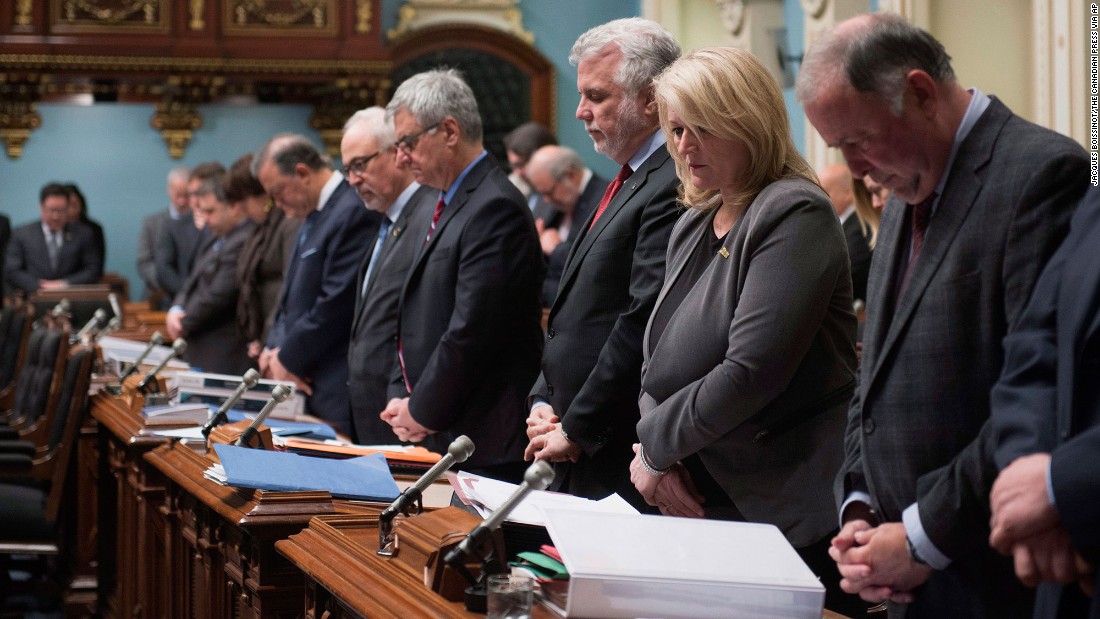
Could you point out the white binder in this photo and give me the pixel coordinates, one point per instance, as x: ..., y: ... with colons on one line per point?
x: 628, y: 566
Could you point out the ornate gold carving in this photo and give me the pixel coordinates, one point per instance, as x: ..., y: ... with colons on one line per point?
x: 362, y: 16
x: 280, y: 16
x: 108, y: 15
x: 177, y: 115
x: 338, y: 102
x: 191, y: 65
x: 197, y: 22
x: 18, y: 116
x: 23, y: 12
x: 499, y: 14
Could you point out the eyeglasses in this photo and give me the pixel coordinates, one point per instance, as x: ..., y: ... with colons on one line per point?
x: 408, y: 143
x: 359, y: 164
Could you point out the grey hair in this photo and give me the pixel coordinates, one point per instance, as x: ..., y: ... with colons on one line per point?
x: 179, y: 173
x: 287, y: 150
x: 434, y: 95
x: 646, y: 46
x: 377, y: 125
x: 213, y: 186
x: 873, y: 59
x: 562, y: 161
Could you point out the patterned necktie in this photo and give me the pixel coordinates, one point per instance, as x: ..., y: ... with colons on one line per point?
x: 921, y: 214
x: 609, y: 194
x: 435, y: 218
x: 383, y: 231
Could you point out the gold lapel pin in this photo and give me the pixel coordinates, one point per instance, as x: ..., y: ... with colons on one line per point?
x: 724, y: 252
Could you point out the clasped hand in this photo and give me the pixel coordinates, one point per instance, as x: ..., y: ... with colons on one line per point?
x: 673, y: 493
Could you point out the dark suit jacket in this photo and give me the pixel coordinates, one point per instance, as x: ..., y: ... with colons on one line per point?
x: 592, y: 364
x: 859, y: 252
x: 28, y: 260
x: 1048, y: 397
x: 318, y: 301
x: 753, y: 376
x: 260, y: 271
x: 918, y: 426
x: 209, y: 298
x: 469, y: 320
x: 587, y: 203
x: 5, y: 236
x: 175, y: 252
x: 372, y: 351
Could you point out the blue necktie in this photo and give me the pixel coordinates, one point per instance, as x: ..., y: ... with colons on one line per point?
x: 383, y: 232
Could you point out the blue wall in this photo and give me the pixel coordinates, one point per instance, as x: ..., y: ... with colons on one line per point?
x: 120, y: 163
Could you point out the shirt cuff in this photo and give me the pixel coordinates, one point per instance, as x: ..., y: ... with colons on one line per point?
x: 537, y: 402
x: 853, y: 497
x: 1050, y: 484
x: 925, y: 548
x: 175, y: 309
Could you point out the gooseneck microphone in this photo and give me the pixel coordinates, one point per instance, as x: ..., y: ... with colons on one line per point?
x: 112, y: 298
x: 178, y: 347
x: 154, y: 341
x: 279, y: 394
x: 458, y: 451
x: 537, y: 477
x: 248, y: 381
x: 97, y: 321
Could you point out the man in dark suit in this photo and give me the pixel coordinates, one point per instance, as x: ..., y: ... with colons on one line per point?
x: 468, y: 326
x: 50, y: 254
x: 370, y: 165
x: 1046, y: 416
x: 205, y: 310
x: 181, y: 238
x: 308, y: 341
x: 561, y: 178
x: 982, y: 200
x: 5, y: 236
x: 584, y: 405
x: 151, y: 228
x: 837, y: 182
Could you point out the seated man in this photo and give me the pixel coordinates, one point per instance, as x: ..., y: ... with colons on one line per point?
x: 205, y: 309
x: 50, y: 254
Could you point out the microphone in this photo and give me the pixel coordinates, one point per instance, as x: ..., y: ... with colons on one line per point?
x: 97, y: 321
x: 154, y: 341
x: 458, y: 451
x: 537, y: 477
x: 279, y: 394
x: 114, y: 324
x: 112, y: 298
x: 248, y: 381
x: 61, y: 308
x: 178, y: 347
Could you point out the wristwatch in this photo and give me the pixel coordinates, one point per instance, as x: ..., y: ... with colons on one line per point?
x: 913, y: 554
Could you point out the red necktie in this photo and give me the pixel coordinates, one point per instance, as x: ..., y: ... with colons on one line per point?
x: 435, y: 218
x: 612, y: 189
x: 921, y: 214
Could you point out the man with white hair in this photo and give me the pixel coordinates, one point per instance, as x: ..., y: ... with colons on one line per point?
x: 468, y: 330
x: 370, y: 165
x: 178, y: 206
x: 584, y: 406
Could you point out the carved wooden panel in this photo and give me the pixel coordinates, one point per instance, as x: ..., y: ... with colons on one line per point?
x: 278, y: 17
x: 107, y: 16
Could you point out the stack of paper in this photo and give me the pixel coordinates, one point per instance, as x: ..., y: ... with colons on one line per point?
x: 486, y: 495
x: 366, y: 478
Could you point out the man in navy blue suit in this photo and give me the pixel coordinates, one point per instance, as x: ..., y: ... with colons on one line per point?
x: 1046, y: 415
x: 308, y: 342
x: 468, y: 329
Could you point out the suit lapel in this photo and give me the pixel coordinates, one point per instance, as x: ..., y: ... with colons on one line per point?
x: 588, y: 237
x: 673, y: 270
x: 964, y: 185
x: 462, y: 195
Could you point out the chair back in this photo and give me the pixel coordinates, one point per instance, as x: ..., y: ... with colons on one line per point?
x: 69, y: 418
x: 38, y: 382
x: 15, y: 330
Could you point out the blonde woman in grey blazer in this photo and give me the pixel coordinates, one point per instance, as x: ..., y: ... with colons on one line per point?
x: 749, y: 355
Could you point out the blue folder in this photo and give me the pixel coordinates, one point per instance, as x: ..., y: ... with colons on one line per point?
x: 366, y: 478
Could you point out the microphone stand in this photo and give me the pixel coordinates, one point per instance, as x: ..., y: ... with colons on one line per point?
x: 458, y: 451
x: 248, y: 381
x: 537, y: 477
x: 279, y: 394
x: 178, y: 347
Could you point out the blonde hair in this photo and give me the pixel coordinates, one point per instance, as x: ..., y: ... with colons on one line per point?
x: 727, y: 93
x: 868, y: 215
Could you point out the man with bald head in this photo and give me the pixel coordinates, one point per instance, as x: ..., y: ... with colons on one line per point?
x: 837, y: 182
x: 981, y: 200
x: 574, y: 191
x: 370, y: 165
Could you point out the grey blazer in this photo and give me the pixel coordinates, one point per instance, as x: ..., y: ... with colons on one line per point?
x: 755, y: 368
x: 919, y: 423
